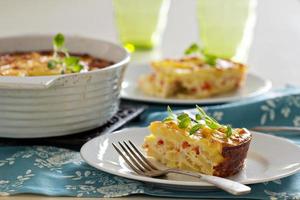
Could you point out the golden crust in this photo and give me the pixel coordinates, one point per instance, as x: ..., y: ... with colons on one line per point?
x: 234, y: 158
x: 36, y: 64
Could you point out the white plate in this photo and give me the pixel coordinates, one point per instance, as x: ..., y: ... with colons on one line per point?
x: 262, y: 164
x: 253, y: 86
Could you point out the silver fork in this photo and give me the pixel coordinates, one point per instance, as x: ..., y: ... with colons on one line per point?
x: 142, y: 166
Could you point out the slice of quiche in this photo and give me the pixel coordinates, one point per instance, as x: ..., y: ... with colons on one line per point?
x: 192, y: 77
x: 200, y: 144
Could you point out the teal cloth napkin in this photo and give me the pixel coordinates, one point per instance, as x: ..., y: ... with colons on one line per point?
x: 61, y: 172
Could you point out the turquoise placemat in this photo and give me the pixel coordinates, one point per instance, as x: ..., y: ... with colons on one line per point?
x: 61, y: 172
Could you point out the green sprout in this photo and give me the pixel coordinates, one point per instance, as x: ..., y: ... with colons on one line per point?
x: 171, y: 115
x: 193, y: 48
x: 184, y: 121
x: 195, y: 128
x: 210, y: 59
x: 71, y: 63
x: 196, y: 49
x: 228, y: 131
x: 194, y: 124
x: 210, y: 122
x: 52, y: 64
x: 59, y: 41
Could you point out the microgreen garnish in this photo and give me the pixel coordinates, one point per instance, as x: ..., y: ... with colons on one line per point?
x: 201, y: 119
x: 210, y: 59
x: 171, y: 115
x: 228, y: 131
x: 198, y: 117
x: 210, y: 122
x: 76, y: 68
x: 58, y: 41
x: 168, y: 119
x: 71, y: 63
x: 184, y: 123
x: 195, y: 49
x: 52, y: 64
x: 195, y: 128
x: 201, y: 113
x: 71, y: 60
x: 184, y: 120
x: 182, y: 116
x: 170, y: 111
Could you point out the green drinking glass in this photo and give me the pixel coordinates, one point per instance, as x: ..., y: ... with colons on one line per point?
x: 140, y: 23
x: 226, y: 27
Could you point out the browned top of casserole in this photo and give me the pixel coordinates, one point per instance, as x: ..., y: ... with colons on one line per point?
x: 37, y: 64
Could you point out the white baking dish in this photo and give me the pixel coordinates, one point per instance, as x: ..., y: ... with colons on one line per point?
x: 64, y: 104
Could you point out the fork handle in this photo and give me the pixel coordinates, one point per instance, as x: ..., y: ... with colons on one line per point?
x: 230, y: 186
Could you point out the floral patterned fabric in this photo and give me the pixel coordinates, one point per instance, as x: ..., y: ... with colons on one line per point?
x: 61, y: 172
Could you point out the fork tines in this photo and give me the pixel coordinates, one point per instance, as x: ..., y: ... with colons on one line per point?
x: 134, y: 158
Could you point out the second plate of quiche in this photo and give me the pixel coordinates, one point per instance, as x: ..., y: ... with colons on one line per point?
x: 190, y: 81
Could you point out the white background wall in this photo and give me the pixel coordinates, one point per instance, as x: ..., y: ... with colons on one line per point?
x: 275, y: 51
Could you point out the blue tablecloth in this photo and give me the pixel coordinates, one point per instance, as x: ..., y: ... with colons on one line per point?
x: 61, y: 172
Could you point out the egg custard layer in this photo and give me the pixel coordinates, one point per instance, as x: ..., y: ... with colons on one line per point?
x: 191, y: 77
x: 207, y: 151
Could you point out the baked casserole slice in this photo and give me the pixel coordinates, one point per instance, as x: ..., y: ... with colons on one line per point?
x: 204, y: 146
x: 191, y: 77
